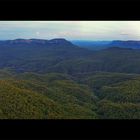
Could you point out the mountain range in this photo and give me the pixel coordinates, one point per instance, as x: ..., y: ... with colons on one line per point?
x: 98, y: 45
x: 55, y: 79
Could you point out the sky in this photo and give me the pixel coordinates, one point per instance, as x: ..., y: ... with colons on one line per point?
x: 71, y: 30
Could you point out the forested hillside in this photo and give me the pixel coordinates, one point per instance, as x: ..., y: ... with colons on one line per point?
x: 54, y: 79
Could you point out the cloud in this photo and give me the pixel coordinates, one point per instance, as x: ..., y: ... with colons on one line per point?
x: 87, y: 30
x: 123, y: 33
x: 37, y: 33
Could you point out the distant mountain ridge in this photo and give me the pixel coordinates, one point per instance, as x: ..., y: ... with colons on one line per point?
x: 126, y: 44
x: 60, y: 55
x: 92, y: 45
x: 98, y: 45
x: 42, y: 42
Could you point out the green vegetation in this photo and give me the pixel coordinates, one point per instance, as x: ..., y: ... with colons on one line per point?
x: 118, y: 94
x: 97, y: 95
x: 111, y: 110
x: 52, y: 96
x: 63, y: 81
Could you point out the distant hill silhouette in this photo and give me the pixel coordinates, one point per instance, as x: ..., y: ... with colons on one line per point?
x: 126, y: 44
x: 35, y: 42
x: 98, y: 45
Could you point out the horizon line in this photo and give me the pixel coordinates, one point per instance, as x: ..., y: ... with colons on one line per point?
x: 68, y: 39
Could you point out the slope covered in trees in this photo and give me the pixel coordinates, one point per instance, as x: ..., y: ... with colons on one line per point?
x: 60, y: 55
x: 33, y: 96
x: 55, y: 79
x: 118, y: 94
x: 61, y: 96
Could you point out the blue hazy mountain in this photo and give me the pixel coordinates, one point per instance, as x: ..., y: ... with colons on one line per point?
x: 36, y: 42
x: 126, y: 44
x: 60, y: 55
x: 98, y: 45
x: 93, y: 45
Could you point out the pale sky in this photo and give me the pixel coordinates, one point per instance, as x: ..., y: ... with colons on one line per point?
x: 71, y: 30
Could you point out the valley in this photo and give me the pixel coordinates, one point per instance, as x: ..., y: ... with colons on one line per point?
x: 55, y: 79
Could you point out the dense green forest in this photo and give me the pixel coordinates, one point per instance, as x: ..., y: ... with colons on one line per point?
x: 63, y: 81
x: 62, y: 96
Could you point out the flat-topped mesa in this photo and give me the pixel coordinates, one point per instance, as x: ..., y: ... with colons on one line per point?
x: 60, y: 41
x: 26, y: 41
x: 30, y: 42
x: 16, y: 41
